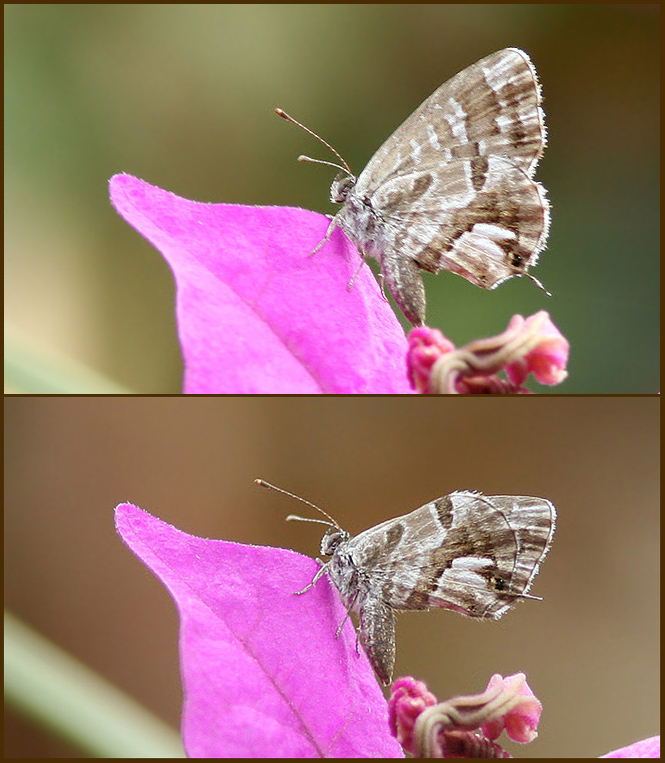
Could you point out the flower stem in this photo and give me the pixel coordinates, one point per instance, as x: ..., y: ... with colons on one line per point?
x: 59, y: 692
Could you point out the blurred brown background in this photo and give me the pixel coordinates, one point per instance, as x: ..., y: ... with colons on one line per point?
x: 590, y: 648
x: 183, y: 97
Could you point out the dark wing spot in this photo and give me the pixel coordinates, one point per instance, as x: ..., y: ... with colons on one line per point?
x: 479, y: 169
x: 393, y: 537
x: 417, y: 600
x: 422, y: 183
x: 444, y: 511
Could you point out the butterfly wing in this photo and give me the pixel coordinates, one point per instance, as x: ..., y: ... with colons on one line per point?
x: 491, y: 108
x: 452, y: 187
x: 468, y: 552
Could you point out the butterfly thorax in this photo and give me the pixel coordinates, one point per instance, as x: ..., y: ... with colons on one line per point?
x: 347, y: 577
x: 358, y: 218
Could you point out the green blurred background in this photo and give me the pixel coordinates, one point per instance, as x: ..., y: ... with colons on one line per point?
x: 182, y: 96
x: 590, y: 648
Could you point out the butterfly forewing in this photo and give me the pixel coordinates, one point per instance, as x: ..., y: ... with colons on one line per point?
x: 490, y: 108
x: 471, y: 553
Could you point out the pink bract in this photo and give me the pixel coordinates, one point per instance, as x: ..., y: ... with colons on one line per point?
x: 263, y: 674
x: 645, y: 748
x: 255, y: 313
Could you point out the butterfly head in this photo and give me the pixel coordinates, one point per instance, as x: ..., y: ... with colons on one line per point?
x: 332, y: 540
x: 341, y: 187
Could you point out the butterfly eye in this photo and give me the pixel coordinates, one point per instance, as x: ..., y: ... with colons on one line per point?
x: 340, y: 188
x: 331, y: 540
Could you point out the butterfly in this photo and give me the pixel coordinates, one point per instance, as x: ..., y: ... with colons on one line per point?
x: 452, y: 188
x: 471, y: 553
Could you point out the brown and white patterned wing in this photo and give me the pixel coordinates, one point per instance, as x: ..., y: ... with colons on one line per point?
x: 491, y: 108
x: 485, y: 234
x: 471, y: 553
x: 452, y: 187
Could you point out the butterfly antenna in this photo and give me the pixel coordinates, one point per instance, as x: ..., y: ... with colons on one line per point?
x: 303, y: 158
x: 332, y: 522
x: 293, y: 517
x: 344, y: 168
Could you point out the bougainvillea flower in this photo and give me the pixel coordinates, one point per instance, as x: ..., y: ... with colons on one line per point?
x: 464, y: 726
x: 255, y: 313
x: 263, y: 673
x: 528, y: 345
x: 408, y: 698
x: 543, y: 350
x: 426, y: 346
x: 520, y: 709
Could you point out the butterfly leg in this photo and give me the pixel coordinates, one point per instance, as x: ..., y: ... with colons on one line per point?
x: 325, y: 239
x: 382, y: 284
x: 358, y: 269
x: 315, y: 579
x: 346, y: 616
x: 355, y: 275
